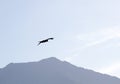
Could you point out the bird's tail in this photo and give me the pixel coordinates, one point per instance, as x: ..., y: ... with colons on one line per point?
x: 38, y: 43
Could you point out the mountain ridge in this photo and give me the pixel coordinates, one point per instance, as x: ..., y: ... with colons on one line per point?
x: 52, y: 71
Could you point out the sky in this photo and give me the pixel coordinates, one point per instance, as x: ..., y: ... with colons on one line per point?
x: 86, y: 32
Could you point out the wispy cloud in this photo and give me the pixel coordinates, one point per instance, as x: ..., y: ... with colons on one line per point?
x: 99, y: 36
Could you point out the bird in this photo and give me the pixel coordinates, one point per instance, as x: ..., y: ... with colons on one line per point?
x: 44, y: 41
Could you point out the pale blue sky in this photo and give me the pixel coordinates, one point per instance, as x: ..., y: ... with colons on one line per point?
x: 86, y: 32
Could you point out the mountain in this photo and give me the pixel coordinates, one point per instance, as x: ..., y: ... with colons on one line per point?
x: 52, y: 71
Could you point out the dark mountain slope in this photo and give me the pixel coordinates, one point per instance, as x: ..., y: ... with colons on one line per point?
x: 52, y: 71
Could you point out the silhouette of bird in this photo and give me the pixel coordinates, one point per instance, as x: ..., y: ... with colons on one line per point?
x: 44, y: 41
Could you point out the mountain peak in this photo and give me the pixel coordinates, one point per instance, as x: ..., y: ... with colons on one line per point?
x: 51, y: 59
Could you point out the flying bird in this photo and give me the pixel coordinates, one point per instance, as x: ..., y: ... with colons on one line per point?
x: 44, y: 41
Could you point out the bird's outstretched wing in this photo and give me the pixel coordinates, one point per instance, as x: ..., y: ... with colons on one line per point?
x: 50, y: 38
x: 43, y: 41
x: 39, y: 42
